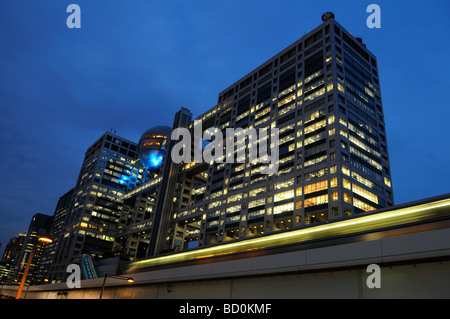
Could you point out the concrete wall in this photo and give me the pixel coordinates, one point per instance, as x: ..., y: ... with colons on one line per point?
x: 421, y: 280
x: 414, y: 265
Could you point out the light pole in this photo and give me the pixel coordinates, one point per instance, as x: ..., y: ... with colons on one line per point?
x: 128, y: 279
x: 44, y: 239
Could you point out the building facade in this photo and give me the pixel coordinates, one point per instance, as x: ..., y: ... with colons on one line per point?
x: 13, y: 248
x: 56, y: 230
x: 108, y: 171
x: 39, y: 226
x: 145, y: 222
x: 323, y: 94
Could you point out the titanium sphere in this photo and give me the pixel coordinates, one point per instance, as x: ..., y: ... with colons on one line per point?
x: 151, y: 146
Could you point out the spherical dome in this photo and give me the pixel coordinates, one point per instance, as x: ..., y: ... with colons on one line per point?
x: 152, y: 144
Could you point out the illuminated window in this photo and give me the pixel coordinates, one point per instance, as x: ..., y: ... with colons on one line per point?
x: 331, y: 119
x: 315, y: 138
x: 283, y: 208
x: 315, y: 160
x: 346, y: 184
x: 334, y: 196
x: 364, y: 193
x: 262, y: 113
x: 256, y: 214
x: 284, y: 195
x: 364, y: 146
x: 313, y: 116
x: 232, y: 219
x: 287, y: 138
x: 318, y: 200
x: 234, y: 198
x: 387, y: 182
x: 345, y: 170
x: 257, y: 191
x: 298, y: 204
x: 315, y: 126
x: 287, y: 109
x: 316, y: 187
x: 234, y: 209
x: 286, y: 100
x: 214, y: 204
x: 333, y: 182
x: 347, y: 198
x: 329, y: 87
x: 257, y: 202
x: 361, y: 205
x: 284, y: 184
x: 362, y: 180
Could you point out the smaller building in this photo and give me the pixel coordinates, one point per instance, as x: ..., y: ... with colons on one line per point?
x: 39, y: 226
x: 6, y: 273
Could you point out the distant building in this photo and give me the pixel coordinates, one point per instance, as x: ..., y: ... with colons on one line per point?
x: 56, y: 230
x: 13, y: 248
x: 39, y: 226
x: 6, y: 273
x: 92, y: 217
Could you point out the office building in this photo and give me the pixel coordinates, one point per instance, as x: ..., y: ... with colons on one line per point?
x: 13, y: 248
x: 91, y: 221
x: 39, y: 226
x: 56, y: 229
x: 323, y: 95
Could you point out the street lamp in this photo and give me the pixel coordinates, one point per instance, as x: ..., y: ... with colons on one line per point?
x: 128, y: 279
x: 43, y: 239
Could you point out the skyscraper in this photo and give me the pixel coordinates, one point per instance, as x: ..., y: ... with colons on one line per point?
x: 39, y: 226
x: 323, y: 94
x: 56, y: 230
x: 90, y: 225
x: 13, y: 248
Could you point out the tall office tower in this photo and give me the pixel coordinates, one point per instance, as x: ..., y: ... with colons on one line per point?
x: 55, y: 231
x: 13, y: 248
x: 147, y: 209
x: 323, y: 94
x: 10, y: 259
x: 108, y: 171
x: 39, y: 226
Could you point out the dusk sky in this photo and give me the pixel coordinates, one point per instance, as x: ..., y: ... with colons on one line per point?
x: 133, y: 64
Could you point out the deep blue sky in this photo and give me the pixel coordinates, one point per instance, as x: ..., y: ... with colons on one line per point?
x: 133, y: 64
